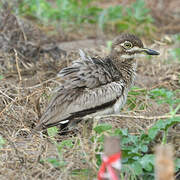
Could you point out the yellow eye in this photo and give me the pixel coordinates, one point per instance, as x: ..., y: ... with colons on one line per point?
x: 128, y: 45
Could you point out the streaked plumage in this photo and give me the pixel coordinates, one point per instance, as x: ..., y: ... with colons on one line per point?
x: 94, y: 86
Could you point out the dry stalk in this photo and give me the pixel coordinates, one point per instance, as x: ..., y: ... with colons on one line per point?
x: 137, y: 117
x: 17, y: 65
x: 16, y: 99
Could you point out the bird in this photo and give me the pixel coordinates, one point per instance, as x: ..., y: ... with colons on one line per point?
x: 94, y: 86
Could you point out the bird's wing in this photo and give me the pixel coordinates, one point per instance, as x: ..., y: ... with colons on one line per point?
x: 87, y: 72
x: 87, y: 85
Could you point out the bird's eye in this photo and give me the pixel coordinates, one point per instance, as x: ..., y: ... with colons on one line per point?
x: 128, y: 45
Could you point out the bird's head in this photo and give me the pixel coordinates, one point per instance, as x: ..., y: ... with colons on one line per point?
x: 128, y: 46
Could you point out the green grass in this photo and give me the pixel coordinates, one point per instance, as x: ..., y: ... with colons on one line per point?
x: 133, y: 101
x: 134, y: 18
x: 161, y: 95
x: 67, y: 12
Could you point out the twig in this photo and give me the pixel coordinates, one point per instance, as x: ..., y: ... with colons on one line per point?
x: 18, y: 70
x: 16, y: 99
x: 137, y: 117
x: 6, y: 95
x: 40, y: 84
x: 17, y: 65
x: 21, y: 27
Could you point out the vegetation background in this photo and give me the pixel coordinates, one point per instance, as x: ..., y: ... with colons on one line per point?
x: 40, y: 37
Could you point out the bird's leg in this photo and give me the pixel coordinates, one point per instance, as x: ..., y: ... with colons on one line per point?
x: 87, y: 125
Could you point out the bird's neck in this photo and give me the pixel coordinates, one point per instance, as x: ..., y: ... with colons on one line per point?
x: 127, y: 68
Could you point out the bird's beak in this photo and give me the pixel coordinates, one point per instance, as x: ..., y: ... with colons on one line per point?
x: 150, y: 51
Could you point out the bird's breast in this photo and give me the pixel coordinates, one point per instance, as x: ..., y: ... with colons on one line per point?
x: 120, y: 101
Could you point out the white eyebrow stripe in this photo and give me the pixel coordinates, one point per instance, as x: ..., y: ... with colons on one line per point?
x: 139, y: 55
x: 127, y: 56
x: 135, y: 48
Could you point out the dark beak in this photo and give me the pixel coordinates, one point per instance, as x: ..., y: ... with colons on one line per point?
x: 150, y: 51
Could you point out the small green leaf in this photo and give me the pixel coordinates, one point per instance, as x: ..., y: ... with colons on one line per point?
x: 123, y: 132
x: 102, y: 128
x: 66, y: 143
x: 136, y: 166
x: 82, y: 172
x: 152, y: 132
x: 2, y: 141
x: 55, y: 162
x: 162, y: 125
x: 144, y: 148
x: 109, y: 44
x: 1, y: 77
x: 52, y: 131
x: 101, y: 138
x: 147, y: 162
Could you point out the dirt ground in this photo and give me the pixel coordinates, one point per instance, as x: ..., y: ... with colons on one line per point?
x: 29, y: 62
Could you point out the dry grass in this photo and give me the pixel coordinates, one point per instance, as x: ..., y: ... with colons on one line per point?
x: 21, y: 105
x: 24, y: 93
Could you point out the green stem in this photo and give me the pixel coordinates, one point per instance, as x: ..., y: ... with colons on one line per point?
x: 164, y: 140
